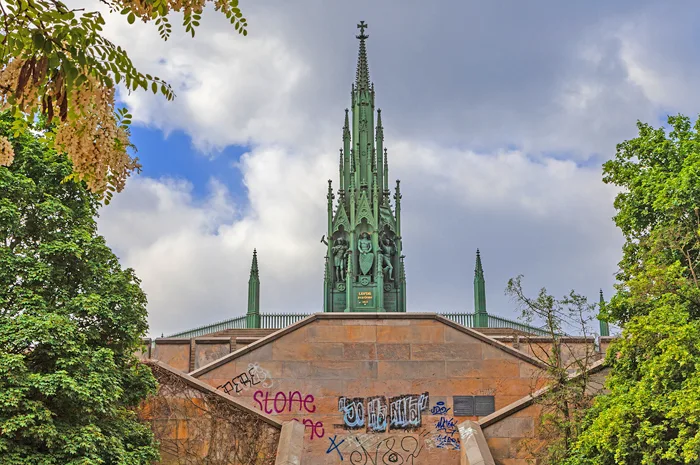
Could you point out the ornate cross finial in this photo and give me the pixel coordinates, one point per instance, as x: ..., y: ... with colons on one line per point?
x: 362, y: 26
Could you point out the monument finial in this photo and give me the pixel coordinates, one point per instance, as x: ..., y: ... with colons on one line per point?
x: 362, y: 26
x: 362, y: 76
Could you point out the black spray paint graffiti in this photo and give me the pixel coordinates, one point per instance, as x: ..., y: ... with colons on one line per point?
x: 376, y: 414
x: 246, y: 380
x: 392, y: 450
x: 405, y: 412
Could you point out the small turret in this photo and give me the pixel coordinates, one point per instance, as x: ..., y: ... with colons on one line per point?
x: 480, y: 315
x: 253, y: 314
x: 604, y: 327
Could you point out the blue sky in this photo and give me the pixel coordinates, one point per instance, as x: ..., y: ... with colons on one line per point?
x: 175, y: 156
x: 497, y: 117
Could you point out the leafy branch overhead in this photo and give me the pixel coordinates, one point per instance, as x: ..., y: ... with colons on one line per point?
x: 59, y: 75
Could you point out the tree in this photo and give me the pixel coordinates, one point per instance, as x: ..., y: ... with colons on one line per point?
x: 71, y: 320
x: 566, y: 369
x: 56, y: 63
x: 652, y: 412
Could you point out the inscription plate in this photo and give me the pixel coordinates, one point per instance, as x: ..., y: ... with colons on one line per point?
x: 364, y: 297
x: 463, y: 406
x: 484, y: 405
x: 339, y: 302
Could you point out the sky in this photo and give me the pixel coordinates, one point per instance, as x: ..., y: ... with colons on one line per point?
x: 497, y: 118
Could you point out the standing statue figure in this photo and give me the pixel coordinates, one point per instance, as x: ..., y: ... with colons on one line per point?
x: 339, y: 251
x: 388, y: 251
x: 364, y: 246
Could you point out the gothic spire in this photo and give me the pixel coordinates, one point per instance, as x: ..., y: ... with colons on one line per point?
x: 481, y: 318
x: 604, y: 327
x: 253, y: 314
x: 254, y: 265
x: 362, y: 74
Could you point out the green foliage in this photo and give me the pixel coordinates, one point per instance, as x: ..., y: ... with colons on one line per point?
x: 565, y: 403
x: 658, y: 213
x: 71, y: 320
x: 652, y: 412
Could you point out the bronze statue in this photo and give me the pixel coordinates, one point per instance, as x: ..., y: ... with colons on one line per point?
x: 340, y: 253
x: 388, y: 250
x: 364, y: 246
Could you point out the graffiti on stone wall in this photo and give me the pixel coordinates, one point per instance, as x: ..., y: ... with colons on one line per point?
x: 316, y: 428
x: 377, y: 414
x: 373, y: 450
x: 284, y: 402
x: 439, y: 409
x: 446, y: 436
x: 254, y: 376
x: 291, y: 402
x: 405, y: 412
x: 353, y: 411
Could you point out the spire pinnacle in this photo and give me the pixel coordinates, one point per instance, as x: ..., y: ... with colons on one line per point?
x: 478, y: 269
x: 346, y: 126
x: 604, y: 326
x: 362, y: 76
x: 254, y: 265
x: 481, y: 317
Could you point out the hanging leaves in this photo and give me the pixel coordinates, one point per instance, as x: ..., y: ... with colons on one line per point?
x: 57, y: 64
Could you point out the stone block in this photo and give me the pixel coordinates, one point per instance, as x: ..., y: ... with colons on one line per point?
x: 466, y: 369
x: 393, y: 351
x: 283, y: 350
x: 291, y: 444
x: 359, y: 351
x: 455, y: 336
x: 412, y: 334
x: 411, y: 370
x: 511, y: 427
x: 342, y: 334
x: 442, y: 351
x: 474, y: 449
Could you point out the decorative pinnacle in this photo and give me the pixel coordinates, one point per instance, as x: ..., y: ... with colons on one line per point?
x: 380, y: 128
x: 362, y: 76
x: 602, y: 300
x: 346, y: 127
x: 254, y: 265
x: 478, y: 270
x: 330, y: 195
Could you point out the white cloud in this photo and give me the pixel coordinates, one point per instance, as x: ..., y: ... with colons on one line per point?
x: 460, y: 85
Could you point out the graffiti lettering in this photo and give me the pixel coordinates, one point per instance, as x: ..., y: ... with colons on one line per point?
x: 439, y: 409
x: 376, y: 413
x: 405, y: 411
x: 353, y: 411
x: 317, y: 430
x: 284, y: 402
x: 389, y: 451
x: 246, y: 380
x: 446, y: 442
x: 446, y: 425
x: 334, y: 446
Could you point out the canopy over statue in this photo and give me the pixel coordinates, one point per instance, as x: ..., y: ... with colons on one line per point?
x: 364, y: 261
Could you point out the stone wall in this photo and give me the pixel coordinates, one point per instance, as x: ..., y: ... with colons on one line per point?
x: 374, y: 388
x: 196, y: 425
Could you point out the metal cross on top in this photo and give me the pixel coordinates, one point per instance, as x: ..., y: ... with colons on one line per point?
x: 362, y: 26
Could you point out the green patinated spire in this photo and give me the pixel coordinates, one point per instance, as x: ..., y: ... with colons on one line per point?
x: 253, y: 314
x: 480, y: 317
x: 365, y: 270
x: 362, y: 74
x: 604, y: 327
